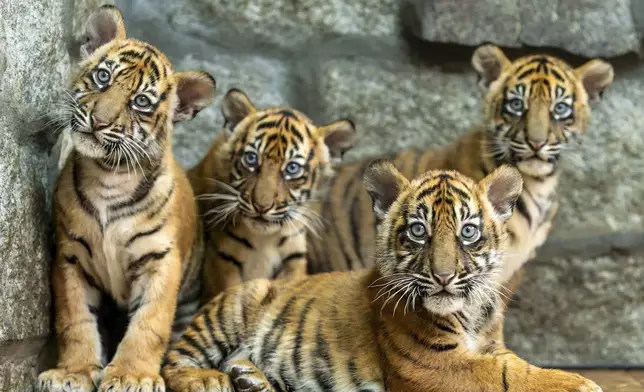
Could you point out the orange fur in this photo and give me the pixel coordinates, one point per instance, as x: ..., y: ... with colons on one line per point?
x: 256, y: 212
x: 125, y: 217
x: 394, y: 327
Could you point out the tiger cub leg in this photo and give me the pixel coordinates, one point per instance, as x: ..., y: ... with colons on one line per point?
x: 246, y: 377
x: 503, y: 371
x: 220, y: 271
x: 154, y: 290
x: 76, y: 302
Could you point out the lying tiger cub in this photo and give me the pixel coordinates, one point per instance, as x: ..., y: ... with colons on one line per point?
x: 262, y: 168
x: 422, y: 320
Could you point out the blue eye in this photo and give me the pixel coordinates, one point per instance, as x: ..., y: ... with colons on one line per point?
x: 562, y: 110
x: 142, y: 101
x: 470, y: 233
x: 417, y: 231
x: 250, y: 159
x: 102, y: 77
x: 293, y: 169
x: 515, y: 106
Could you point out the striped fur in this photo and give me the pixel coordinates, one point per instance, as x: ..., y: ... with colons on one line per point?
x: 533, y: 106
x: 254, y: 187
x: 125, y: 217
x: 391, y: 328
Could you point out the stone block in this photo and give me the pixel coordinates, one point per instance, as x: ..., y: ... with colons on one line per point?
x: 20, y: 364
x: 279, y: 23
x: 589, y: 27
x: 33, y: 43
x: 578, y: 311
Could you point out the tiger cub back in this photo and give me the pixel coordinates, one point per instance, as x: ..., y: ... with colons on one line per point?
x: 254, y: 188
x: 424, y: 319
x: 125, y: 217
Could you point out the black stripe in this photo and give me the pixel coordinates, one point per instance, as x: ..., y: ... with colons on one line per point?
x: 228, y: 257
x: 523, y: 210
x: 132, y: 53
x: 241, y: 240
x: 285, y: 261
x: 277, y: 330
x: 192, y: 342
x: 296, y: 133
x: 557, y: 75
x: 223, y: 352
x: 444, y: 327
x: 145, y: 233
x: 504, y: 376
x: 296, y: 355
x: 322, y: 357
x: 526, y: 73
x: 268, y: 124
x: 221, y: 321
x: 139, y: 263
x: 353, y: 373
x: 152, y: 214
x: 84, y: 202
x: 142, y: 190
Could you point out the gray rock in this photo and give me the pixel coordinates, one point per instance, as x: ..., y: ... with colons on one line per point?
x: 589, y: 28
x: 34, y: 43
x: 580, y: 312
x: 281, y: 23
x: 397, y: 105
x: 20, y: 364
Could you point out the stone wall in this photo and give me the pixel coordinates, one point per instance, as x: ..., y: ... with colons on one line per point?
x: 401, y: 71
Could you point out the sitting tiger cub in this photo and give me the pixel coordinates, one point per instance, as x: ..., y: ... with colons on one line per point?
x: 422, y: 320
x: 254, y: 185
x: 127, y: 230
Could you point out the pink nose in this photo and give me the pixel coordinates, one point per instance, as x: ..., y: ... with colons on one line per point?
x: 97, y: 124
x: 263, y: 208
x: 444, y: 278
x: 536, y: 144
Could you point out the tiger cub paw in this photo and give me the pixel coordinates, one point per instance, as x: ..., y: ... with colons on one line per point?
x: 82, y: 379
x: 198, y: 380
x: 121, y: 380
x: 589, y: 386
x: 247, y: 377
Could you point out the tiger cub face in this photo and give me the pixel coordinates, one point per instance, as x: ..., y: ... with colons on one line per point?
x: 535, y: 104
x: 441, y: 236
x: 126, y: 95
x: 274, y: 159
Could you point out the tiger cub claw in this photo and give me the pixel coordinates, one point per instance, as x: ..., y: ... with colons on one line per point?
x: 199, y: 380
x: 246, y: 377
x: 64, y: 380
x: 116, y: 380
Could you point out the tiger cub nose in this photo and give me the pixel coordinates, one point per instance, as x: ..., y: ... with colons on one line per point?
x: 97, y: 124
x: 536, y: 144
x: 444, y: 278
x: 263, y: 208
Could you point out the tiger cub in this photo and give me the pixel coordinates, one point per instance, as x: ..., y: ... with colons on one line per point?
x: 125, y: 216
x: 533, y: 106
x: 254, y: 186
x: 423, y: 319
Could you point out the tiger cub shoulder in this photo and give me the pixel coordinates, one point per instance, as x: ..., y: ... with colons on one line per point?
x: 254, y: 187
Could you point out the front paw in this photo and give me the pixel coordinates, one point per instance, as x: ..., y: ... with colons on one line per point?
x: 83, y: 379
x: 122, y: 380
x: 589, y: 386
x: 198, y: 380
x: 248, y: 378
x: 561, y: 381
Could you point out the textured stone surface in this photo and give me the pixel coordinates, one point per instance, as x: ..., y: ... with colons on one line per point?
x: 398, y: 105
x: 20, y: 364
x: 33, y: 41
x: 580, y: 312
x: 282, y: 23
x: 587, y: 27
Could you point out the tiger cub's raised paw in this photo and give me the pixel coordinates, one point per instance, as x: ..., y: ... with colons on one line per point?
x: 246, y: 377
x: 69, y: 380
x: 198, y: 380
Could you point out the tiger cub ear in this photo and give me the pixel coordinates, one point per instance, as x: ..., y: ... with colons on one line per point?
x: 339, y: 136
x: 235, y: 107
x: 383, y: 182
x: 104, y: 25
x: 595, y: 75
x: 489, y: 61
x: 502, y: 188
x: 195, y: 90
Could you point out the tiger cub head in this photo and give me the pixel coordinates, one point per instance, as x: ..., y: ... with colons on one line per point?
x: 126, y: 96
x: 272, y: 161
x: 441, y: 236
x: 534, y: 105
